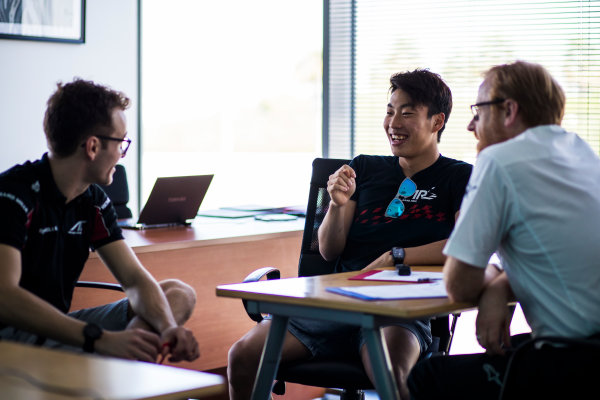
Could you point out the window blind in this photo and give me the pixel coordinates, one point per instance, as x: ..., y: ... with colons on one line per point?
x: 369, y: 40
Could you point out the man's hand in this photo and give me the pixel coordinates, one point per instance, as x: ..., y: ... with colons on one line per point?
x: 182, y: 344
x: 133, y: 344
x: 493, y: 321
x: 341, y: 185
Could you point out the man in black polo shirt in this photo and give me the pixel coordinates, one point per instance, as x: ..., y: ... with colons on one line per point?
x: 52, y: 213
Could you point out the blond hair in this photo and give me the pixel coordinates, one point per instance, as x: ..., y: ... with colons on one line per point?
x: 541, y: 99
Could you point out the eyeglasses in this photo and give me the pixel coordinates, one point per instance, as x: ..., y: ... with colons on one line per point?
x: 125, y: 143
x: 396, y: 207
x: 475, y: 107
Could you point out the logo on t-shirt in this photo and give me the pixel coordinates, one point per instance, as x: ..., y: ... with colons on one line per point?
x: 423, y: 194
x: 77, y: 229
x: 48, y: 229
x: 417, y: 206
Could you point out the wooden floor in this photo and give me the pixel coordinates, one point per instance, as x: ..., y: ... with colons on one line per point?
x: 292, y: 390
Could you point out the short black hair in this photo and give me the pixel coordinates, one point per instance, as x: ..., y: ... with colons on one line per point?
x: 77, y: 110
x: 425, y: 88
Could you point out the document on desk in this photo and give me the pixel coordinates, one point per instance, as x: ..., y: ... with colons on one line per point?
x: 393, y: 292
x: 392, y: 276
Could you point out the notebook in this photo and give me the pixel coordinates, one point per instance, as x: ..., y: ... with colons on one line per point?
x: 173, y: 201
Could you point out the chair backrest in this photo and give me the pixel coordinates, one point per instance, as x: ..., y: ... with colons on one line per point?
x: 311, y: 263
x: 118, y: 192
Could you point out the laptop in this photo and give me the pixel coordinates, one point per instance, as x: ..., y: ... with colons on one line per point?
x: 173, y: 201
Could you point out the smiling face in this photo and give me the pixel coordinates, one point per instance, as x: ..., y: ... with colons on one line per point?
x: 110, y: 152
x: 488, y: 126
x: 410, y: 132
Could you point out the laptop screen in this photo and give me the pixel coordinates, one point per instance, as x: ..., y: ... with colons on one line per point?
x: 174, y: 200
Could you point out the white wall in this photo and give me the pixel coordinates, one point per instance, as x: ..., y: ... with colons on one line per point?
x: 29, y: 71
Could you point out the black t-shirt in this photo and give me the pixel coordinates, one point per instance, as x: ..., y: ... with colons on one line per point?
x: 54, y: 238
x: 428, y: 217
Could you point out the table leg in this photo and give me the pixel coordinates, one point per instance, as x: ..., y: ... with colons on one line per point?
x: 269, y: 361
x: 381, y: 364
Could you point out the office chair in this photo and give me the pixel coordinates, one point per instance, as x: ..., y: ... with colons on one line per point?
x: 118, y: 192
x: 552, y: 368
x: 350, y: 377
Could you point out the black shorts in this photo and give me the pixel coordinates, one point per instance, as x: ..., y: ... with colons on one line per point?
x: 112, y: 317
x: 332, y: 340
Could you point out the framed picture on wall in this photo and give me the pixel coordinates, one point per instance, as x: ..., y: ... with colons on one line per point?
x: 45, y: 20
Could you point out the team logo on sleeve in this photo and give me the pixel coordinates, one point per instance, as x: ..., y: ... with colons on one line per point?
x: 105, y: 204
x: 35, y: 186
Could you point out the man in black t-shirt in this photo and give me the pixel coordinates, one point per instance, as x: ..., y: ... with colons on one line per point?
x: 408, y: 201
x: 52, y: 213
x: 428, y: 216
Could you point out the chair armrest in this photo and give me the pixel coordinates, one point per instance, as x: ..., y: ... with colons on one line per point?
x: 255, y: 276
x: 100, y: 285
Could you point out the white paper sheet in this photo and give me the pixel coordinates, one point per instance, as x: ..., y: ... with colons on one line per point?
x: 415, y: 276
x: 393, y: 292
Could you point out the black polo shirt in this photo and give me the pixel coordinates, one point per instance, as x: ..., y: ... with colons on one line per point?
x: 54, y: 238
x: 429, y: 213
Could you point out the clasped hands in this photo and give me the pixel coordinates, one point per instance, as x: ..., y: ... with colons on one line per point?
x: 180, y: 343
x: 142, y: 345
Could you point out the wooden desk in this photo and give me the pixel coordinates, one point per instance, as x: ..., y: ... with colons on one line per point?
x: 28, y: 372
x: 307, y: 297
x: 213, y: 251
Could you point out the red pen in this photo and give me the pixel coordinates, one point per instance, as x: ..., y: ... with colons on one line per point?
x: 162, y: 355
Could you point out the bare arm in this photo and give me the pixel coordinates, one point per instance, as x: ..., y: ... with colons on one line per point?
x: 145, y: 295
x: 465, y: 282
x: 427, y: 254
x: 149, y: 302
x: 25, y: 310
x: 333, y: 232
x: 490, y: 290
x: 493, y: 318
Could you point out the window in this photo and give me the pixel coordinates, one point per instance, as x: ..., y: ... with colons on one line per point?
x: 232, y: 89
x: 369, y: 40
